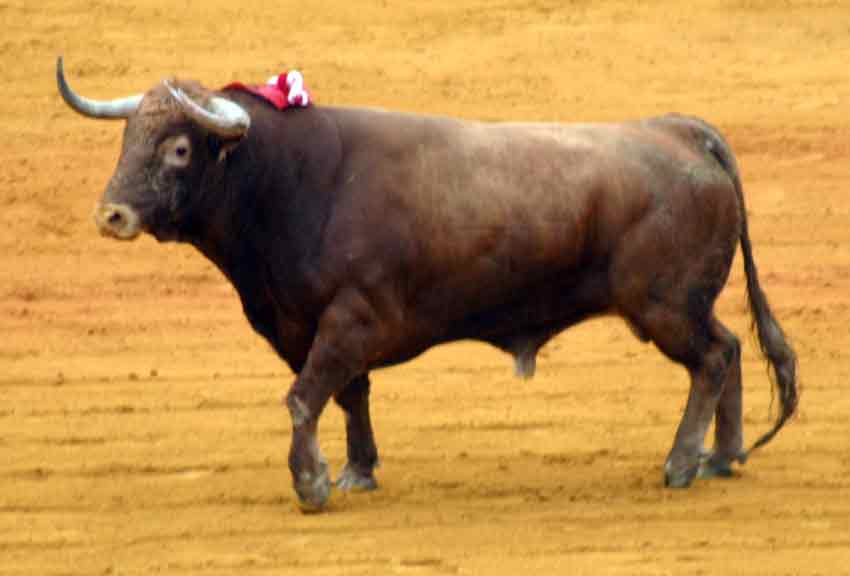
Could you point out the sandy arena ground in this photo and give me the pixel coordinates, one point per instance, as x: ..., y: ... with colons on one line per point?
x: 141, y: 430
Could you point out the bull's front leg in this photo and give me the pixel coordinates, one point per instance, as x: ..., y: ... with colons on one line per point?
x: 309, y: 468
x: 341, y: 345
x: 358, y: 473
x: 322, y: 376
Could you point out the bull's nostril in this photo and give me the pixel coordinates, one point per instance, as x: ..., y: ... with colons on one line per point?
x: 115, y: 218
x: 117, y: 221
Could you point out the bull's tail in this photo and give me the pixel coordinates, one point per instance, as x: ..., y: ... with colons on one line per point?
x: 782, y: 361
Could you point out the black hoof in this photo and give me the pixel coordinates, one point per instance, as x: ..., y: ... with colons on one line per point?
x: 352, y: 480
x: 713, y: 465
x: 679, y: 478
x: 313, y: 490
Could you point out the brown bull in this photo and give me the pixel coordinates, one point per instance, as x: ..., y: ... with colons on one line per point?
x: 359, y: 238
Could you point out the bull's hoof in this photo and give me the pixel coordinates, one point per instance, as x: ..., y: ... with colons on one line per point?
x: 313, y: 490
x: 352, y: 480
x: 679, y: 478
x: 713, y: 465
x: 711, y: 469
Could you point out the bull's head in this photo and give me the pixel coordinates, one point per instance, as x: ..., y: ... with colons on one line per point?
x: 173, y: 134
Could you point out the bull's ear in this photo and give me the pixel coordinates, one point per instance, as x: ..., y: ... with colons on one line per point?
x: 220, y: 148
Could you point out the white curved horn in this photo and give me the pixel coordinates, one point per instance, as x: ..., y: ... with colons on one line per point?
x: 119, y: 108
x: 225, y: 118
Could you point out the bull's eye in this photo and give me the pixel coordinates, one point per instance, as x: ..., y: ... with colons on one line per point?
x: 177, y: 151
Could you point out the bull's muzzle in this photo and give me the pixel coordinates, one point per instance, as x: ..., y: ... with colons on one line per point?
x: 117, y: 221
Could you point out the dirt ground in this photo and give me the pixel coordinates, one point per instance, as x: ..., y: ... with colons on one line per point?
x: 141, y: 429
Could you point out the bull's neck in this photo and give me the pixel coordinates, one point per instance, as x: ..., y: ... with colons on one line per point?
x: 269, y: 199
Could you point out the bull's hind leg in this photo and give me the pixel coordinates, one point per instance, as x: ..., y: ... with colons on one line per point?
x: 362, y: 452
x: 712, y: 363
x: 692, y: 341
x: 728, y: 424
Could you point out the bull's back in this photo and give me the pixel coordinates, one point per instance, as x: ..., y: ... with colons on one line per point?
x: 510, y: 202
x: 516, y: 224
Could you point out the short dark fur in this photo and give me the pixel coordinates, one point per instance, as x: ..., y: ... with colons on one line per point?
x: 358, y: 239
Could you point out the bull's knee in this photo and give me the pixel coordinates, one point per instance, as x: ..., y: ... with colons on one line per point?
x: 732, y: 350
x: 350, y: 397
x: 298, y: 410
x: 714, y: 368
x: 719, y: 362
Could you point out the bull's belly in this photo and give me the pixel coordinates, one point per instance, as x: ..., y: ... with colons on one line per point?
x: 541, y: 309
x: 520, y: 323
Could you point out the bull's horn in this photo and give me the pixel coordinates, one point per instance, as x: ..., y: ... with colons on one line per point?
x: 225, y: 118
x: 120, y: 108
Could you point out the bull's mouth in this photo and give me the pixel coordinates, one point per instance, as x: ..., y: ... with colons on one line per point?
x: 117, y: 221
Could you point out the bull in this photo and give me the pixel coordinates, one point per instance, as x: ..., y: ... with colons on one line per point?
x: 358, y: 238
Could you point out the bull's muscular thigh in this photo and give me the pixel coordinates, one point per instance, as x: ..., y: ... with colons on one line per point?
x: 665, y: 277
